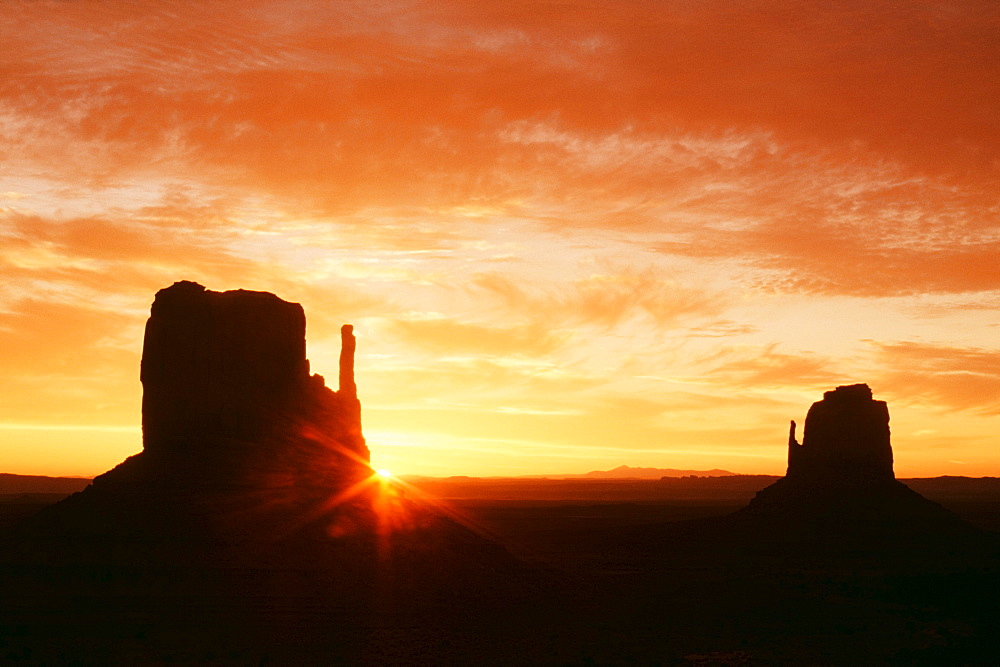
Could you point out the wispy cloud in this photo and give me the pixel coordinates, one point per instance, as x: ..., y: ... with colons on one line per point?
x: 769, y: 367
x: 452, y: 337
x: 605, y: 299
x: 540, y: 207
x: 950, y: 377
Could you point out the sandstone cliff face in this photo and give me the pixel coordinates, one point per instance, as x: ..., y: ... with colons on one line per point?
x: 840, y: 478
x: 227, y: 392
x: 250, y: 462
x: 219, y: 365
x: 240, y: 442
x: 846, y: 436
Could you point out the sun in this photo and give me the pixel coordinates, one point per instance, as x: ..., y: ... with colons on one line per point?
x: 383, y: 473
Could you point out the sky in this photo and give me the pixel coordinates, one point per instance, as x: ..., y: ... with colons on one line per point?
x: 570, y: 235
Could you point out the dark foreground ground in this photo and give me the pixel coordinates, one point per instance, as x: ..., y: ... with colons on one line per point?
x: 610, y: 581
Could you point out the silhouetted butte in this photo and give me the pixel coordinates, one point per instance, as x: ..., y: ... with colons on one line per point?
x: 840, y: 478
x: 245, y: 450
x: 226, y: 387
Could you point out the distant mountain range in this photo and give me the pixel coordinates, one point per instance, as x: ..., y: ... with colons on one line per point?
x: 949, y: 486
x: 628, y: 472
x: 17, y: 484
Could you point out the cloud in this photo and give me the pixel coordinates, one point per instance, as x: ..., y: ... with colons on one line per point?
x: 767, y: 368
x: 585, y: 190
x: 460, y: 379
x: 604, y: 299
x: 316, y: 102
x: 722, y: 329
x: 782, y: 140
x: 870, y: 235
x: 65, y: 326
x: 950, y: 377
x: 105, y: 260
x: 456, y: 338
x: 64, y: 361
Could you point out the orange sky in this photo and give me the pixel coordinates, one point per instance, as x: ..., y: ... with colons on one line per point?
x: 570, y: 235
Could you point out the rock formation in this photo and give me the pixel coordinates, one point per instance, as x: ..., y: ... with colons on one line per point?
x: 252, y: 497
x: 250, y: 462
x: 226, y: 387
x: 846, y: 436
x: 841, y: 476
x: 240, y: 442
x: 347, y: 345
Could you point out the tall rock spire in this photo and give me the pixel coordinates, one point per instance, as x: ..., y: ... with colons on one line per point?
x: 347, y: 345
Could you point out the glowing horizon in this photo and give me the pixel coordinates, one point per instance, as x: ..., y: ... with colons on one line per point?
x: 569, y: 236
